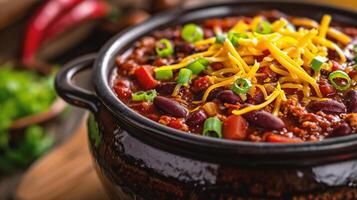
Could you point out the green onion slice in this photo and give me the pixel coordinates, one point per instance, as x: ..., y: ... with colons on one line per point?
x: 241, y: 86
x: 184, y: 76
x: 343, y: 82
x: 263, y: 27
x: 138, y: 96
x: 198, y: 66
x: 164, y: 48
x: 192, y: 33
x: 220, y: 39
x: 150, y: 95
x: 234, y: 37
x: 317, y: 62
x: 144, y: 96
x: 212, y: 127
x: 164, y: 74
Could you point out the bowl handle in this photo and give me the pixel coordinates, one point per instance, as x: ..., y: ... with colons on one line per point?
x: 72, y: 93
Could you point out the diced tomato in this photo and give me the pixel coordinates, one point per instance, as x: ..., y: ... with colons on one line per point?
x: 122, y: 88
x: 326, y: 89
x: 336, y: 66
x: 123, y: 92
x: 145, y: 78
x: 201, y: 84
x: 235, y: 128
x: 178, y: 124
x: 279, y: 138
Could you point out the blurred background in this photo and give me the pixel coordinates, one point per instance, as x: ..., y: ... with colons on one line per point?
x: 36, y: 38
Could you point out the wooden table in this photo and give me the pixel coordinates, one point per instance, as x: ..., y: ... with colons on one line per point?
x: 65, y: 173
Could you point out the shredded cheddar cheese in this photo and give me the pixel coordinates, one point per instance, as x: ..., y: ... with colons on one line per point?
x: 285, y: 51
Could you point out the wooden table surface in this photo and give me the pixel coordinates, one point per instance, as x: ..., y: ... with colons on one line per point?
x: 67, y: 173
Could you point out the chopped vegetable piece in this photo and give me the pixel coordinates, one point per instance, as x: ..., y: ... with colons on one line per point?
x: 138, y: 96
x: 220, y: 39
x: 241, y: 86
x: 164, y: 48
x: 235, y: 128
x: 317, y: 63
x: 234, y: 37
x: 144, y: 96
x: 212, y: 127
x: 150, y: 95
x: 192, y: 33
x: 184, y: 76
x: 344, y: 81
x: 198, y: 66
x: 164, y: 74
x: 263, y: 27
x: 145, y: 78
x: 23, y: 94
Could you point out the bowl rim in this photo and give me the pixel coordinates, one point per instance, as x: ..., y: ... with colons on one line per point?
x: 104, y: 64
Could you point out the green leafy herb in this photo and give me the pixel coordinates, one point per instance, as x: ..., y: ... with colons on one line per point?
x: 23, y: 93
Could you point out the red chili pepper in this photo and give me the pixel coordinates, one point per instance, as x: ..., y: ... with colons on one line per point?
x: 145, y: 78
x: 40, y: 21
x: 83, y: 11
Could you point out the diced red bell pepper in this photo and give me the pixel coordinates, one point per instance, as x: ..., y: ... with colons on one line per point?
x: 145, y: 78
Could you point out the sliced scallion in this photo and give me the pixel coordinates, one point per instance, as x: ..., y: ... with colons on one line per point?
x: 340, y: 80
x: 164, y: 48
x: 192, y: 33
x: 198, y: 66
x: 138, y: 96
x: 317, y: 62
x: 234, y: 37
x: 164, y: 74
x: 264, y: 27
x: 241, y: 86
x: 150, y: 95
x: 220, y: 39
x: 184, y: 76
x: 212, y: 127
x: 144, y: 96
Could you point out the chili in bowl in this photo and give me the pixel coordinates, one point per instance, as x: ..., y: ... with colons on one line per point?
x: 225, y: 101
x: 266, y: 78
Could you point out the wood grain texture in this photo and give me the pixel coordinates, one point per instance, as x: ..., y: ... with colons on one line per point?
x: 65, y: 173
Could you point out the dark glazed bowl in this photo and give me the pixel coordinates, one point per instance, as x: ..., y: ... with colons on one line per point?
x: 137, y: 158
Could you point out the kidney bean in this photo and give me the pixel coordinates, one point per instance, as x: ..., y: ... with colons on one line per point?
x: 264, y: 119
x: 329, y: 106
x: 257, y: 98
x: 227, y: 96
x: 196, y: 118
x: 342, y: 129
x: 182, y: 47
x: 170, y: 106
x: 351, y: 101
x: 235, y: 128
x: 166, y: 88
